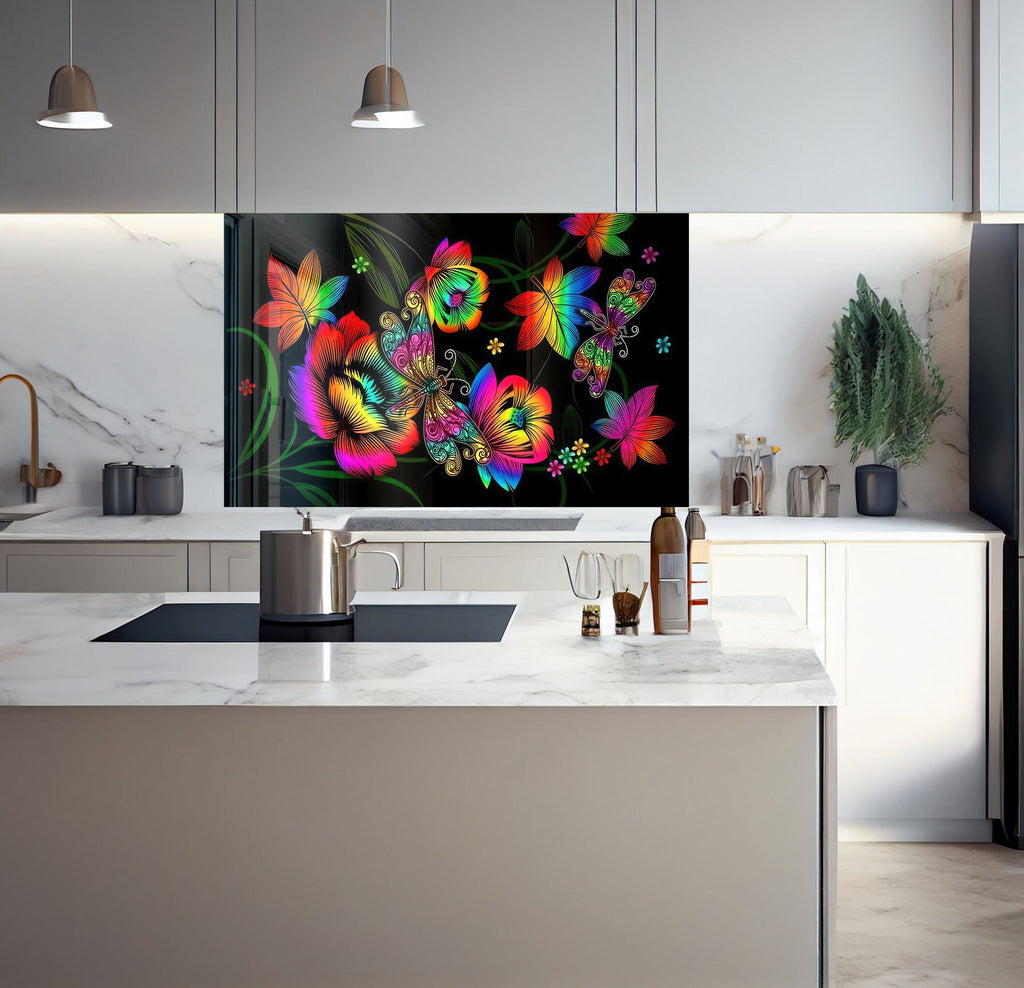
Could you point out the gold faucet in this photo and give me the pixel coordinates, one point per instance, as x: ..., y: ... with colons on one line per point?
x: 30, y: 477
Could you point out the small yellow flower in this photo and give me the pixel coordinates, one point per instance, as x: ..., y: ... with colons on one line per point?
x: 580, y: 447
x: 495, y: 346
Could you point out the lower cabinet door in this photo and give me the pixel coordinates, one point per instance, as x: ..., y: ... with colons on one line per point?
x: 235, y: 566
x: 96, y: 567
x: 912, y: 732
x: 794, y: 571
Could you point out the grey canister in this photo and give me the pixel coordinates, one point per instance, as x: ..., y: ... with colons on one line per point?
x: 160, y: 490
x: 119, y: 481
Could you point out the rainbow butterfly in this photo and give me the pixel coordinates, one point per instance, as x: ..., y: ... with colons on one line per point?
x: 593, y: 357
x: 446, y: 425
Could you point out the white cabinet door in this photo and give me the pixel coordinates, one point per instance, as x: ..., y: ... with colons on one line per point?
x: 95, y: 567
x: 519, y: 101
x: 794, y: 571
x: 236, y: 566
x: 1000, y: 105
x: 513, y: 565
x: 911, y: 735
x: 153, y: 69
x: 799, y: 105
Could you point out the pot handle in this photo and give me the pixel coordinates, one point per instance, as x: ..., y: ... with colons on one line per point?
x: 398, y: 566
x: 340, y: 546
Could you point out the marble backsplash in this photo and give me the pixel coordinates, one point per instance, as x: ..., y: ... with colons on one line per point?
x: 764, y: 292
x: 118, y: 321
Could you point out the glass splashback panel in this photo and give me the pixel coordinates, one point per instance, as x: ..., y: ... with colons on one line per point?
x: 456, y: 360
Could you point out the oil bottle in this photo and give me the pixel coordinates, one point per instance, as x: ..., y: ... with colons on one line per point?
x: 668, y: 573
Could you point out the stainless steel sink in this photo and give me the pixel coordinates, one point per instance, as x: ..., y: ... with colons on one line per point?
x: 240, y: 622
x: 19, y: 512
x: 448, y: 520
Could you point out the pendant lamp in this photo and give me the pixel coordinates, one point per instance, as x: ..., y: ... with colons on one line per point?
x: 72, y: 104
x: 385, y: 102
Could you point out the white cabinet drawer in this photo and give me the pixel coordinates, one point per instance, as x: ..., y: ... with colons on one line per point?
x: 513, y: 565
x: 95, y: 567
x: 794, y: 571
x: 236, y: 566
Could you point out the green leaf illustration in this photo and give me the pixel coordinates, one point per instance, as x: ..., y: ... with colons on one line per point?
x: 523, y: 242
x: 572, y: 425
x: 314, y: 495
x: 386, y: 276
x: 321, y: 468
x: 405, y: 487
x: 267, y: 411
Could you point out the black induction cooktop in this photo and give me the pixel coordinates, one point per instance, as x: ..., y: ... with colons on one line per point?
x: 235, y: 622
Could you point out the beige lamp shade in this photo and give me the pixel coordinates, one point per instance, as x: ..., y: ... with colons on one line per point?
x: 72, y: 104
x: 377, y: 110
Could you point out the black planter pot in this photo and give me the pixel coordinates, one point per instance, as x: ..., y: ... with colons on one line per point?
x: 878, y: 489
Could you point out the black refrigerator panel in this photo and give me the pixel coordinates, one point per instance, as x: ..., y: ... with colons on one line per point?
x: 1007, y: 829
x: 994, y: 419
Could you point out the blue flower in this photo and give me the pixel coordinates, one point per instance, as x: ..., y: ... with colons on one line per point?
x: 663, y: 343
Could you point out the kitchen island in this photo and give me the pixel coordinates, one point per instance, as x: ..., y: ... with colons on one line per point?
x: 547, y: 810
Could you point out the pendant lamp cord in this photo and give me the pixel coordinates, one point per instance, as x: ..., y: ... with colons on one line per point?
x: 387, y: 52
x: 71, y: 33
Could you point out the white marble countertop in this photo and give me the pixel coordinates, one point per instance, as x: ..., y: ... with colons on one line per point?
x: 751, y: 652
x: 596, y: 525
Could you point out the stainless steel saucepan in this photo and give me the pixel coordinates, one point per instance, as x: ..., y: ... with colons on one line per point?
x: 307, y: 572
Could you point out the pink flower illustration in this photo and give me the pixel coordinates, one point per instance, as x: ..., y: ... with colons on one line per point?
x: 649, y: 254
x: 555, y: 468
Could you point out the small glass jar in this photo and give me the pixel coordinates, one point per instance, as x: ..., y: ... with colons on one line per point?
x: 591, y: 627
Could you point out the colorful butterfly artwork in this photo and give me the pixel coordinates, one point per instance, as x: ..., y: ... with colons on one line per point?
x: 298, y: 301
x: 490, y: 374
x: 632, y: 426
x: 593, y: 357
x: 599, y: 231
x: 409, y: 348
x: 556, y: 310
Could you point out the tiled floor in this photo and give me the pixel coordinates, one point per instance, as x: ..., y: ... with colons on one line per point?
x: 942, y: 915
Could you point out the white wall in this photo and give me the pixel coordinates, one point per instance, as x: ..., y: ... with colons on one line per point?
x: 764, y: 292
x: 118, y: 322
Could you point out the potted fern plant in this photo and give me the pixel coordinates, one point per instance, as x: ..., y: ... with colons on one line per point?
x: 886, y: 393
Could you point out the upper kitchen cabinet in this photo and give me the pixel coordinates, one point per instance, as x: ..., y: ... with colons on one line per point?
x: 519, y: 102
x: 153, y: 69
x: 806, y: 106
x: 999, y: 106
